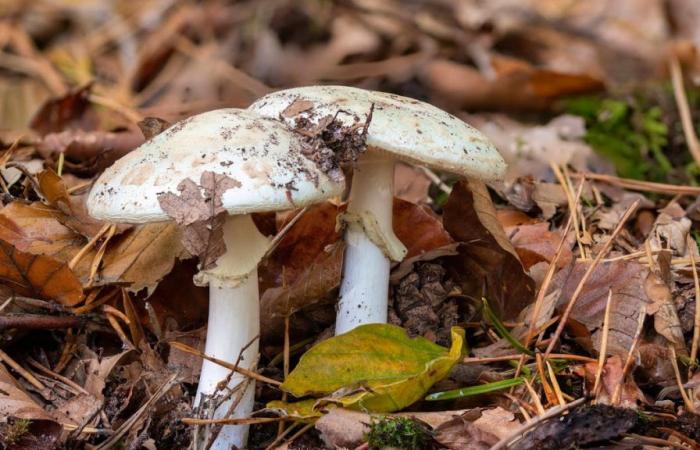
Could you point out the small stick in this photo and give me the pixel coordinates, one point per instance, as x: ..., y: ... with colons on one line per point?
x: 436, y: 180
x: 279, y: 438
x: 303, y: 430
x: 230, y: 420
x: 683, y: 109
x: 637, y: 185
x: 696, y: 322
x: 548, y: 391
x: 87, y: 247
x: 22, y: 371
x: 115, y: 312
x: 119, y: 330
x: 285, y: 366
x: 579, y: 289
x: 535, y: 398
x: 502, y: 444
x: 66, y: 352
x: 603, y: 347
x: 241, y: 370
x: 688, y: 402
x: 630, y: 357
x: 38, y: 322
x: 573, y: 206
x: 571, y: 357
x: 57, y: 376
x: 555, y: 384
x: 100, y: 253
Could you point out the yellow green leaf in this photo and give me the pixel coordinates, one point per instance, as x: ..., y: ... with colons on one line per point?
x: 375, y: 367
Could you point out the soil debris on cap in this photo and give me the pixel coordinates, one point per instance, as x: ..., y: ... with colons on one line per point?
x: 199, y: 210
x: 329, y: 142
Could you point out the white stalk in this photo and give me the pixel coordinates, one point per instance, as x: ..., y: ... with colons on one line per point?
x: 234, y: 322
x: 364, y: 290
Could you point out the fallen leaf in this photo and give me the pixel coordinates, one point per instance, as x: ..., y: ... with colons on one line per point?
x: 418, y: 228
x: 461, y: 434
x: 612, y: 380
x: 69, y: 111
x: 487, y: 265
x: 396, y: 370
x: 199, y: 209
x: 527, y: 88
x: 410, y: 183
x: 89, y: 151
x: 626, y: 280
x: 39, y: 276
x: 54, y: 190
x: 661, y: 306
x: 142, y: 256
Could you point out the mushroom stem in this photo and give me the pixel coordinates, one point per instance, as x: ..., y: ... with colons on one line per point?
x: 234, y: 323
x: 364, y: 290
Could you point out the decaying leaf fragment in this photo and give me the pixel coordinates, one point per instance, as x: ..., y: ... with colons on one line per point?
x: 38, y: 276
x: 487, y: 265
x: 199, y: 210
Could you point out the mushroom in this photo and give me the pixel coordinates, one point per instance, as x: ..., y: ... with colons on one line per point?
x: 400, y: 128
x: 225, y: 163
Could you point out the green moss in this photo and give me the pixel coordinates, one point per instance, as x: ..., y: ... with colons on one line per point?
x: 399, y: 432
x: 630, y: 132
x: 14, y: 431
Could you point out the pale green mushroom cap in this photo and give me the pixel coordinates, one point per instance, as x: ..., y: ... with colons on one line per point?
x: 409, y: 129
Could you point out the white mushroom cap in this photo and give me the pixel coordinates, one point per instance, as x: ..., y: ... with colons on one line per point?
x: 261, y: 155
x: 410, y: 129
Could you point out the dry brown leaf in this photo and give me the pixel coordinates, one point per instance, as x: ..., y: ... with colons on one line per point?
x: 525, y: 89
x: 72, y: 111
x: 142, y: 256
x: 89, y: 152
x: 630, y: 394
x: 199, y: 210
x: 418, y: 228
x: 410, y: 183
x: 662, y: 307
x: 533, y: 241
x: 487, y: 265
x: 54, y: 190
x: 626, y: 280
x: 461, y: 434
x: 39, y: 276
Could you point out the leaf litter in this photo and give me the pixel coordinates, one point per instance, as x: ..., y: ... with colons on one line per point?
x: 93, y: 306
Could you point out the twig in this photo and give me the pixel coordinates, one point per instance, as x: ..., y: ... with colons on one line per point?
x: 57, y: 376
x: 573, y: 206
x: 603, y: 346
x: 230, y: 420
x: 38, y: 322
x: 585, y: 359
x: 555, y: 411
x: 87, y: 247
x: 630, y: 358
x: 22, y: 371
x: 555, y: 384
x: 692, y: 246
x: 283, y: 232
x: 674, y: 362
x: 579, y: 289
x: 637, y: 185
x: 436, y: 180
x: 683, y: 109
x: 279, y: 438
x: 126, y: 426
x: 535, y: 398
x: 235, y: 368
